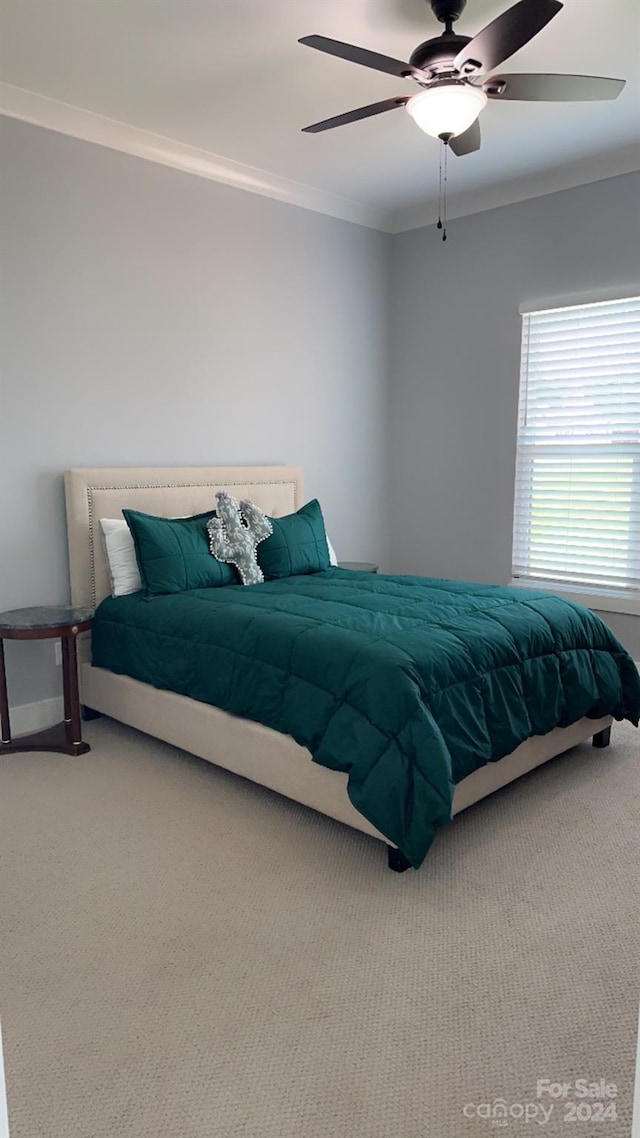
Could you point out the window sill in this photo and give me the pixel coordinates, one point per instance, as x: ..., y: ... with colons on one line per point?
x: 602, y: 602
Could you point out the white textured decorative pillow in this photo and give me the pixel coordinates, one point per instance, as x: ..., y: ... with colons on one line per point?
x: 332, y: 553
x: 124, y: 574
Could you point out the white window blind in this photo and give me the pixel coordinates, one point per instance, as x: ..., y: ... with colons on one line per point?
x: 577, y: 500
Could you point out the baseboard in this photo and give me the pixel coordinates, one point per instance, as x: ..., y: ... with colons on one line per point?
x: 4, y: 1115
x: 36, y: 716
x: 636, y: 1115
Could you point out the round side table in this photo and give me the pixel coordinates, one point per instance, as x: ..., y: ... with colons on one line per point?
x: 358, y: 566
x: 45, y: 623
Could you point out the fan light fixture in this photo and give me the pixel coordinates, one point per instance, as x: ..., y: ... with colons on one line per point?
x: 448, y: 109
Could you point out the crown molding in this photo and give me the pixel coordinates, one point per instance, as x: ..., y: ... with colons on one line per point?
x: 595, y: 169
x: 40, y: 110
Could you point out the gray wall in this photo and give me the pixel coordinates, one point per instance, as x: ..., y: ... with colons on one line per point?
x: 455, y: 357
x: 151, y: 317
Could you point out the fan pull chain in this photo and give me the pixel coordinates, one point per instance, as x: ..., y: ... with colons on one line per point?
x: 442, y: 191
x: 440, y: 195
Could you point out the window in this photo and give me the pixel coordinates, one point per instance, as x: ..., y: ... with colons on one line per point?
x: 577, y: 500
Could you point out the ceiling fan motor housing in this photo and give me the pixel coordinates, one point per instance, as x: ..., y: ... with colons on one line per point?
x: 448, y: 11
x: 438, y: 54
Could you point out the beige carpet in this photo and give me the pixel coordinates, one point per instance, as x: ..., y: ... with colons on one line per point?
x: 186, y: 955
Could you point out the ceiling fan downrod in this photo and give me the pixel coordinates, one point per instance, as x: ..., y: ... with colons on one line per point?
x: 448, y: 11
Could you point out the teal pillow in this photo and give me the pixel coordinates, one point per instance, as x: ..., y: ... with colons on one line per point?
x: 298, y: 544
x: 173, y: 553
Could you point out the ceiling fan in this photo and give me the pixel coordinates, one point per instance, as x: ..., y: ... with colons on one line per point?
x: 449, y: 69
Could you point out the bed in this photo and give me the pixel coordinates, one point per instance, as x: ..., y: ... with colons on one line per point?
x: 241, y: 745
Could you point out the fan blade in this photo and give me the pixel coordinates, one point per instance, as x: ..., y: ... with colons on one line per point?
x: 361, y: 113
x: 366, y: 58
x: 552, y: 88
x: 505, y: 35
x: 468, y: 142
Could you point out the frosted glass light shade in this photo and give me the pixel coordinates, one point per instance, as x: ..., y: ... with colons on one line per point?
x: 446, y: 109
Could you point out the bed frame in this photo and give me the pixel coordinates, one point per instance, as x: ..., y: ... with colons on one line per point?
x: 247, y: 748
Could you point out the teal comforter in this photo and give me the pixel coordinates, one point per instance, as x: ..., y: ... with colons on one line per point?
x: 407, y: 684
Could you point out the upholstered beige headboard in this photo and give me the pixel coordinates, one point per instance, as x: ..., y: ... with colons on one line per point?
x: 92, y: 494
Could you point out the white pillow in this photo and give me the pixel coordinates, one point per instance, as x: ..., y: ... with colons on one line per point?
x: 124, y: 574
x: 333, y: 560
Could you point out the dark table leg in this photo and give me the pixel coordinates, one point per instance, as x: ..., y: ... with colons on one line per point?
x: 4, y: 702
x: 70, y: 669
x: 66, y: 672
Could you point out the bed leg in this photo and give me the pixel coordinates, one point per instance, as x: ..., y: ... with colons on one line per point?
x: 88, y: 713
x: 397, y: 861
x: 602, y: 738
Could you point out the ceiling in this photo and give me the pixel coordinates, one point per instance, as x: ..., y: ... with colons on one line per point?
x: 228, y: 77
